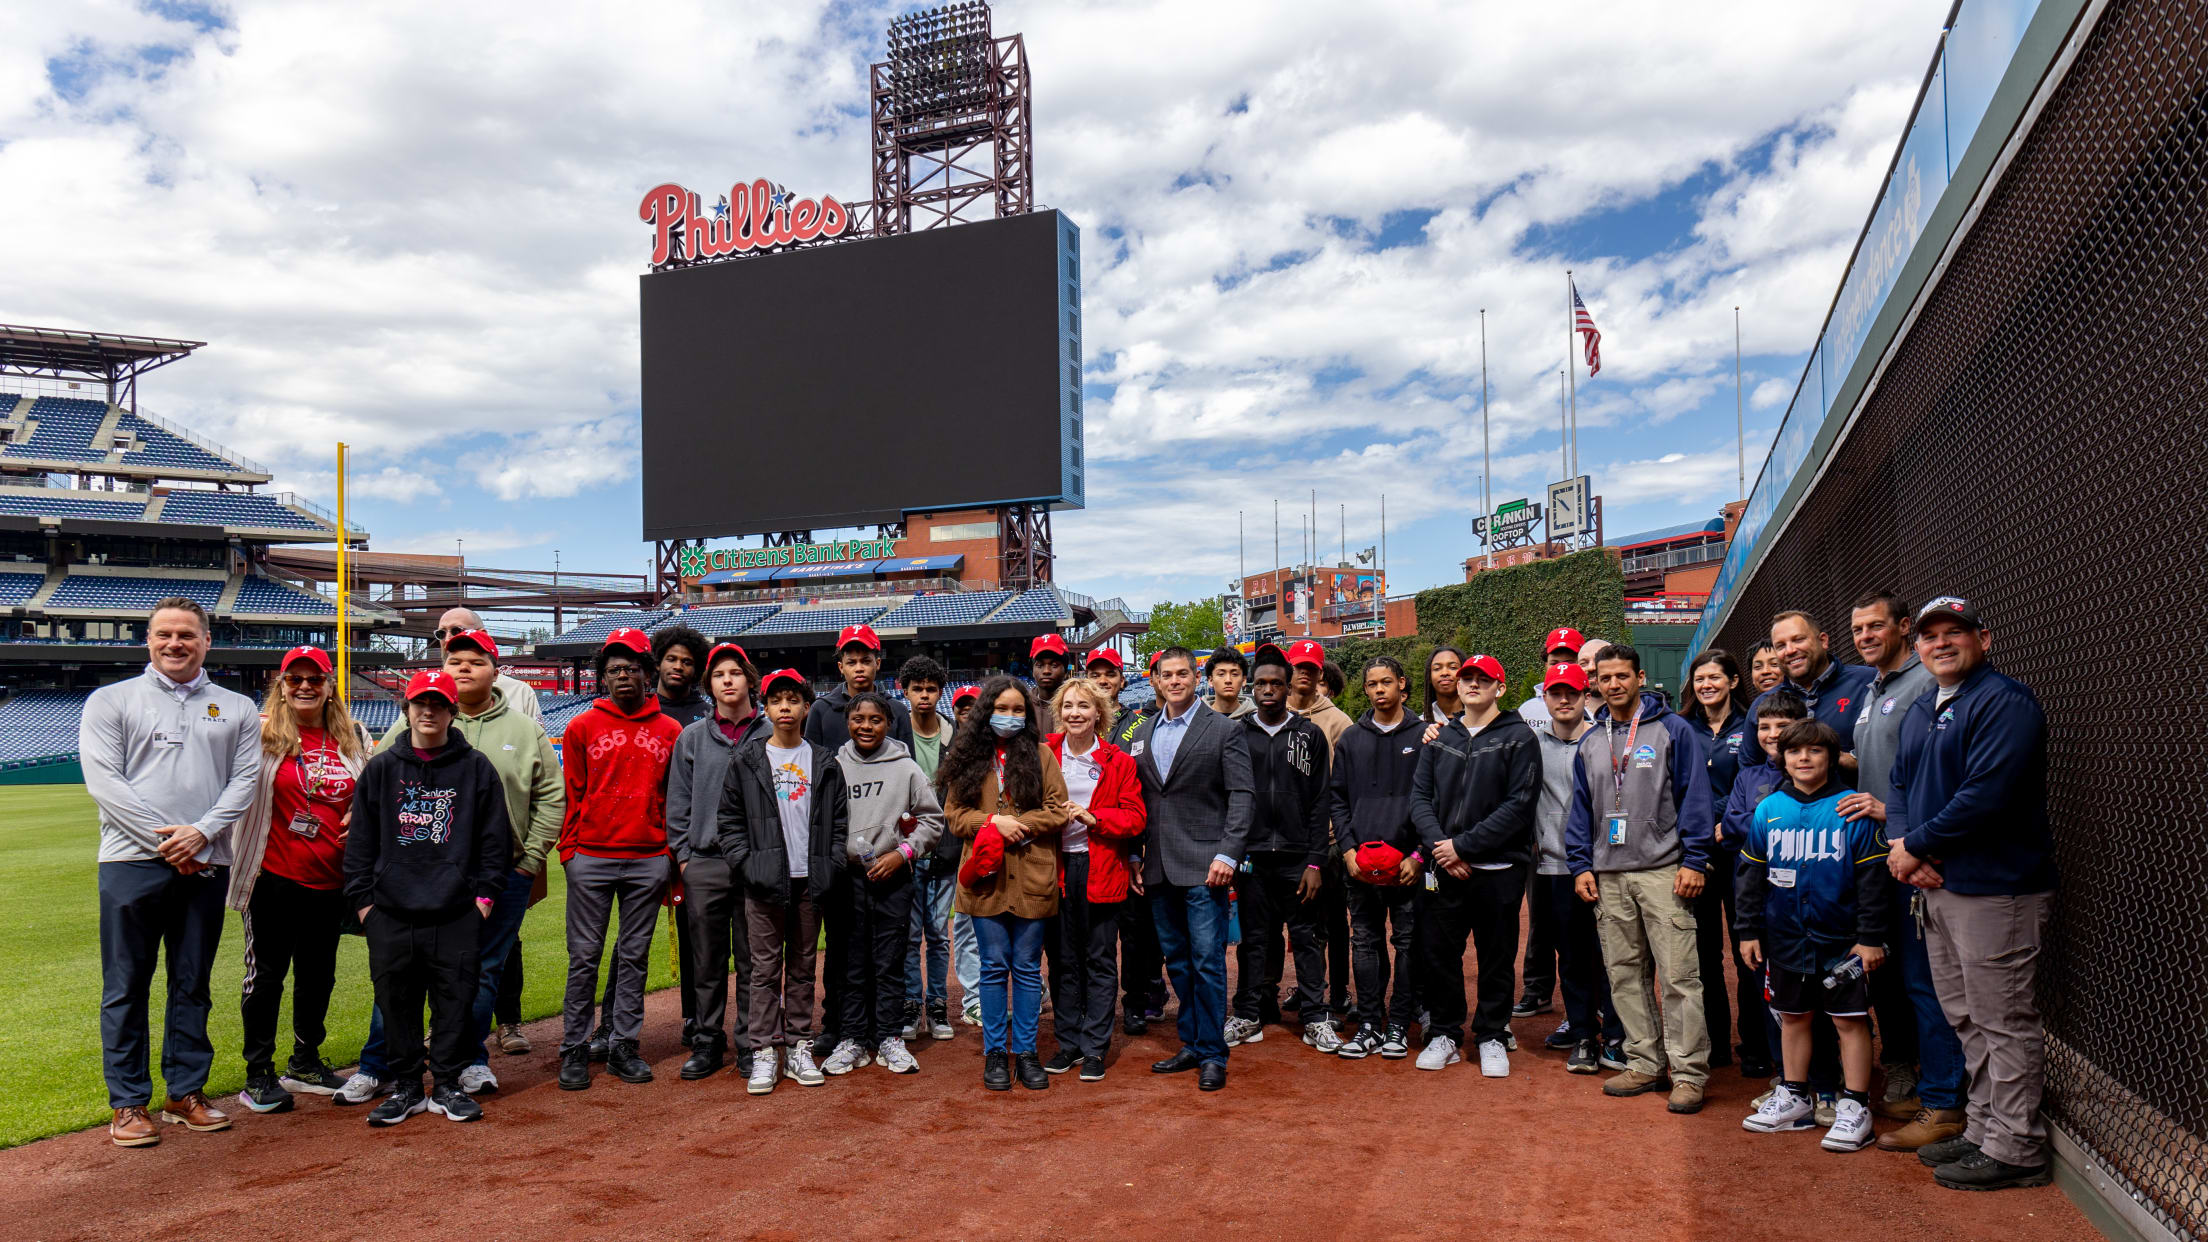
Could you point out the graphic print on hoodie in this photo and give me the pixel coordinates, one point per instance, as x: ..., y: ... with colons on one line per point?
x: 425, y: 814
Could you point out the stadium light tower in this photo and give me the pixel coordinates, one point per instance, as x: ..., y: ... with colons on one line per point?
x: 953, y: 122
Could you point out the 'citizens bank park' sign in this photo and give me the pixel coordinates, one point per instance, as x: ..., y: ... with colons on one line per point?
x: 756, y: 216
x: 696, y: 561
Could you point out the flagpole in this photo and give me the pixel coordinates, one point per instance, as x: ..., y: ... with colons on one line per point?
x: 1571, y: 372
x: 1383, y: 555
x: 1487, y: 463
x: 344, y: 620
x: 1563, y: 427
x: 1740, y: 418
x: 1280, y: 596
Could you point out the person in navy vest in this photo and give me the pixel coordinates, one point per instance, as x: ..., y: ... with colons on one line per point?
x: 1968, y: 821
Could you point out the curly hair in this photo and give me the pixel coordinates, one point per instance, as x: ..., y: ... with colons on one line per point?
x: 973, y: 754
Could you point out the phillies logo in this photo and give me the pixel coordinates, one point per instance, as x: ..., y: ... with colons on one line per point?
x: 755, y: 216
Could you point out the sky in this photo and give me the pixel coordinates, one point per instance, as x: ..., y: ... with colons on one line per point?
x: 412, y: 227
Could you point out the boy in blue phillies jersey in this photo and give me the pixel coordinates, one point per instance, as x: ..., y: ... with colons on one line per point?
x: 1813, y: 910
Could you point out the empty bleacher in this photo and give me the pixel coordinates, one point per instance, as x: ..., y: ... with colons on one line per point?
x: 132, y: 594
x: 376, y: 715
x: 817, y: 620
x: 1039, y: 604
x: 268, y: 596
x: 725, y: 622
x: 37, y: 724
x: 951, y: 608
x: 66, y: 426
x: 65, y: 503
x: 556, y: 718
x: 16, y: 588
x: 165, y: 448
x: 209, y: 508
x: 596, y: 629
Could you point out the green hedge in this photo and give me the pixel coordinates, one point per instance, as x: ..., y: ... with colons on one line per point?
x: 1505, y: 613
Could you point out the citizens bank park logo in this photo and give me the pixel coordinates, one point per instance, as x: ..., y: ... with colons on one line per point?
x: 757, y: 215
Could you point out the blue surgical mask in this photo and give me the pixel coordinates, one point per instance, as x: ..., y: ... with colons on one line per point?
x: 1006, y: 725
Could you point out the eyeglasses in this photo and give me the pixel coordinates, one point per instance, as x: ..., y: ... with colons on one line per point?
x: 312, y: 681
x: 443, y: 632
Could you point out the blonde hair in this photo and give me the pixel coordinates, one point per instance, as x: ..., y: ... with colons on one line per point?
x: 280, y: 724
x: 1094, y: 693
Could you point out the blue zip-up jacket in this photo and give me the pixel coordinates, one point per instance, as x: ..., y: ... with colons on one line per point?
x: 1810, y: 883
x: 1721, y: 753
x: 1970, y: 787
x: 1679, y: 831
x: 1836, y: 697
x: 1751, y: 787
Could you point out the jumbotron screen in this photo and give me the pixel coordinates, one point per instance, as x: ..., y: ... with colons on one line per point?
x: 851, y: 384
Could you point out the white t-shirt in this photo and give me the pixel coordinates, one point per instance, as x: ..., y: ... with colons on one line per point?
x: 1400, y: 721
x: 1082, y: 772
x: 1946, y: 693
x: 793, y: 796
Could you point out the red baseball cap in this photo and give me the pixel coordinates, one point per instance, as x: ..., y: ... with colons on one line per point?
x: 1563, y: 636
x: 1489, y: 665
x: 718, y: 648
x: 1305, y: 652
x: 1154, y: 660
x: 629, y: 640
x: 863, y: 635
x: 483, y: 642
x: 1566, y: 675
x: 964, y: 694
x: 1106, y: 655
x: 312, y: 655
x: 1267, y: 653
x: 766, y: 683
x: 1379, y: 857
x: 984, y: 858
x: 1048, y: 642
x: 433, y: 681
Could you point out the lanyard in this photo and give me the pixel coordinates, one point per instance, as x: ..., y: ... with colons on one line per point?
x: 1618, y: 759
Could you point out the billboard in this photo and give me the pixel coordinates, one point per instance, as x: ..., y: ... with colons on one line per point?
x: 851, y: 384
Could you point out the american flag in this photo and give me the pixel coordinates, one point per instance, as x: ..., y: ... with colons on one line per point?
x: 1587, y: 329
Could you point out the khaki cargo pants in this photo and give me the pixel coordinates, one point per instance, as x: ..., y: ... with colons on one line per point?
x: 1642, y: 925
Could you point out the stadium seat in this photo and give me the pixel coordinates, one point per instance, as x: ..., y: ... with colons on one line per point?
x: 718, y: 623
x: 39, y: 724
x: 949, y: 608
x: 209, y: 508
x: 68, y: 503
x: 816, y: 620
x: 15, y: 588
x: 165, y: 448
x: 596, y: 629
x: 66, y: 426
x: 266, y: 595
x: 1039, y: 604
x: 132, y: 594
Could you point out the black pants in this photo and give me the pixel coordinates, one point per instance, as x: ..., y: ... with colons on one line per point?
x: 1078, y: 944
x: 1544, y: 946
x: 1581, y: 975
x: 1485, y: 907
x: 1713, y: 916
x: 1141, y: 962
x: 1332, y: 912
x: 409, y: 961
x: 712, y: 929
x: 148, y: 909
x: 1267, y: 895
x: 1383, y: 921
x: 1896, y: 1014
x: 876, y: 916
x: 288, y: 928
x: 508, y: 1010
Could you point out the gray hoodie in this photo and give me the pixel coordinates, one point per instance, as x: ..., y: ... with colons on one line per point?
x: 885, y: 787
x: 1555, y: 807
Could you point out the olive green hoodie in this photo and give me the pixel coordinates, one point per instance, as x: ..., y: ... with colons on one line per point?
x: 528, y: 770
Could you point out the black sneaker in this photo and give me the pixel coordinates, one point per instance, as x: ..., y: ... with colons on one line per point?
x: 1561, y: 1038
x: 1365, y: 1043
x: 1529, y: 1005
x: 263, y: 1094
x: 1586, y: 1058
x: 625, y: 1064
x: 1946, y: 1151
x: 1613, y: 1054
x: 1061, y: 1061
x: 1031, y: 1072
x: 451, y: 1103
x: 1396, y: 1044
x: 1092, y: 1069
x: 1135, y: 1023
x: 913, y: 1017
x: 404, y: 1101
x: 601, y: 1044
x: 1979, y: 1171
x: 575, y: 1068
x: 996, y: 1072
x: 743, y: 1062
x: 309, y: 1076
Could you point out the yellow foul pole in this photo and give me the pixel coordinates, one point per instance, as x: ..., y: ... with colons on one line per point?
x: 344, y: 630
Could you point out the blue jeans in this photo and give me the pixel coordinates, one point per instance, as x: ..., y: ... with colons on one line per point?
x: 1939, y: 1052
x: 967, y: 953
x: 1192, y: 933
x: 931, y: 931
x: 500, y: 931
x: 1010, y: 947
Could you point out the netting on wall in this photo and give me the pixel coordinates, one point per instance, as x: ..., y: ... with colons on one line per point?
x: 2039, y: 443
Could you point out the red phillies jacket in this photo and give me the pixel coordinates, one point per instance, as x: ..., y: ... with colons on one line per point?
x: 617, y: 781
x: 1120, y: 819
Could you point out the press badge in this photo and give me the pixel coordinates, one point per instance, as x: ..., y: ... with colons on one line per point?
x: 1432, y: 885
x: 305, y: 824
x: 1781, y: 877
x: 1617, y: 829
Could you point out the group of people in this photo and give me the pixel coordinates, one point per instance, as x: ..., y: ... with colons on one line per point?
x: 1873, y: 837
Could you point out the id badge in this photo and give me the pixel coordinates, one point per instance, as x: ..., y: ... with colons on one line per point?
x: 1432, y: 885
x: 1617, y: 829
x: 306, y: 825
x: 1781, y: 877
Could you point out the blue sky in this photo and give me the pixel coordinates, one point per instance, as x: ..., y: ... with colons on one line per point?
x: 429, y: 248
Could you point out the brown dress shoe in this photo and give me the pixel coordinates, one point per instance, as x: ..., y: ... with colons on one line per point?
x: 1932, y: 1125
x: 132, y: 1128
x: 1634, y: 1082
x: 193, y: 1112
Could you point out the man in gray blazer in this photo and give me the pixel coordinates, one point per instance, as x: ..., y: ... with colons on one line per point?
x: 1196, y: 786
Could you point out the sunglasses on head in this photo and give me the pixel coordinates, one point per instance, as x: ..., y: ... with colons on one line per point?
x: 313, y: 681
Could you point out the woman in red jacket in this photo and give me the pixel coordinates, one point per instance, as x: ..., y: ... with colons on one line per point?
x: 1080, y: 941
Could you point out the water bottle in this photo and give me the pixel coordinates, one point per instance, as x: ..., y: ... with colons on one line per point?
x: 1847, y: 970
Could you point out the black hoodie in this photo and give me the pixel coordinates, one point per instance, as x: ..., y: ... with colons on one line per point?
x: 1371, y: 789
x: 429, y: 836
x: 1479, y: 792
x: 824, y: 724
x: 1288, y: 770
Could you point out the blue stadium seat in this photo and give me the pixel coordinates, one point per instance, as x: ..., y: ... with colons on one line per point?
x: 164, y: 448
x: 952, y: 608
x: 16, y: 588
x: 816, y: 620
x: 38, y: 724
x: 207, y: 508
x: 132, y: 594
x: 66, y: 503
x: 725, y: 622
x: 596, y: 629
x: 266, y: 595
x: 376, y: 714
x: 66, y: 426
x: 1040, y: 604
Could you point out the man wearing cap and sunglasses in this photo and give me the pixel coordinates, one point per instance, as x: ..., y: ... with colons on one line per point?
x: 1967, y: 819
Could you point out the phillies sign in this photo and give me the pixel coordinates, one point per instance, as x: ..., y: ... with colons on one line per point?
x: 755, y: 216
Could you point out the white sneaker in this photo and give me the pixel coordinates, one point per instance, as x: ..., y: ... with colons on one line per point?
x: 896, y: 1058
x: 761, y: 1081
x: 848, y: 1055
x: 1321, y: 1035
x: 1440, y: 1052
x: 477, y: 1079
x: 1494, y: 1059
x: 1244, y: 1031
x: 970, y: 1014
x: 800, y: 1065
x: 939, y: 1028
x: 359, y: 1089
x: 1851, y: 1127
x: 1781, y: 1110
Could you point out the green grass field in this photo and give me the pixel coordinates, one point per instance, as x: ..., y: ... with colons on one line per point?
x: 50, y: 972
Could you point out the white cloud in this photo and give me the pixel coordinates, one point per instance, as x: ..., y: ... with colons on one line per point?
x: 471, y: 541
x: 559, y: 462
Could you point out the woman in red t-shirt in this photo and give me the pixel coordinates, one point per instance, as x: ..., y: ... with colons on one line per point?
x: 289, y: 876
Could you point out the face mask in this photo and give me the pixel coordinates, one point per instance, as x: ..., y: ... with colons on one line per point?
x: 1006, y: 725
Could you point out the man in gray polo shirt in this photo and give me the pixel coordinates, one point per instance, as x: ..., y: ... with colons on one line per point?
x: 171, y: 760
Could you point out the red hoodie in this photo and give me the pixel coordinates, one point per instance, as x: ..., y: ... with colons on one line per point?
x: 1120, y: 820
x: 617, y: 781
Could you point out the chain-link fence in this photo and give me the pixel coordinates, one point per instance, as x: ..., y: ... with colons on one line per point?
x: 2038, y: 444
